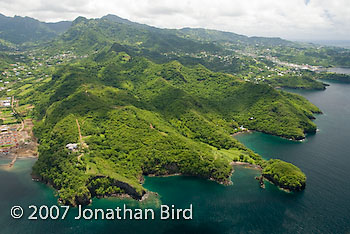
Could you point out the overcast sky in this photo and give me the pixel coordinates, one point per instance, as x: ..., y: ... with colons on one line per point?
x: 289, y: 19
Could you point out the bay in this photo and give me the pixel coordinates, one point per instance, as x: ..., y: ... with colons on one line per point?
x: 324, y: 206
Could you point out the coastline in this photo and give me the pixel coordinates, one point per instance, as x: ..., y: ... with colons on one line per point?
x: 241, y: 132
x: 226, y: 182
x: 10, y: 165
x: 146, y: 195
x: 125, y: 195
x: 245, y: 164
x: 280, y: 188
x: 301, y: 139
x: 165, y: 175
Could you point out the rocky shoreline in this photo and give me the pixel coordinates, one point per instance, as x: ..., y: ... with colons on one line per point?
x: 130, y: 192
x: 269, y: 178
x: 298, y: 139
x: 241, y: 132
x: 226, y: 182
x: 258, y: 167
x: 282, y: 186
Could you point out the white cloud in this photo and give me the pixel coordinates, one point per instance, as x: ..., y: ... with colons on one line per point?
x: 291, y: 19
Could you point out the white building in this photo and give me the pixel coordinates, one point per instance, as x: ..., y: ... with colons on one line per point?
x: 72, y: 146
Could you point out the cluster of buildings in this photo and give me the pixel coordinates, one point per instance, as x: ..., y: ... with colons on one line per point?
x: 8, y: 138
x: 6, y: 102
x: 204, y: 54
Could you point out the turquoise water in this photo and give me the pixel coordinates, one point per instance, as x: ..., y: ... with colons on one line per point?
x: 324, y: 206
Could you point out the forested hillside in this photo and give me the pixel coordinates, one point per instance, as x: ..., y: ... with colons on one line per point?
x: 137, y: 118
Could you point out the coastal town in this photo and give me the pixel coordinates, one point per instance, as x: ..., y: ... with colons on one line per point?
x: 18, y: 81
x: 16, y: 136
x: 250, y: 65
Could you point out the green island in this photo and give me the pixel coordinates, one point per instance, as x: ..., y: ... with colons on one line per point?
x: 113, y: 101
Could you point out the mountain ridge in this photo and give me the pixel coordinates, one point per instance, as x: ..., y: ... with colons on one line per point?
x: 66, y: 24
x: 19, y: 30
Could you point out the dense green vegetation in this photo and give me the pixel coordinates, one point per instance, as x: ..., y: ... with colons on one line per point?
x: 154, y: 101
x: 334, y: 76
x: 234, y: 40
x: 313, y: 55
x: 284, y: 174
x: 138, y: 118
x: 299, y: 53
x: 297, y: 82
x: 218, y: 51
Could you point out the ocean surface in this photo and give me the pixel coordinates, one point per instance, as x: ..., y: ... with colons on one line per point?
x: 324, y: 206
x: 340, y: 70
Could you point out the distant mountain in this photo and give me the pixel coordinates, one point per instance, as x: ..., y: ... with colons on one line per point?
x: 190, y: 46
x: 123, y: 31
x: 19, y: 29
x: 93, y: 34
x: 120, y: 20
x: 220, y: 36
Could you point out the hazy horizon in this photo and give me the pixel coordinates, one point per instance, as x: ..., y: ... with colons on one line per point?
x: 296, y: 20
